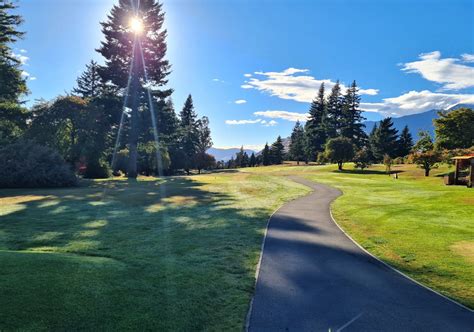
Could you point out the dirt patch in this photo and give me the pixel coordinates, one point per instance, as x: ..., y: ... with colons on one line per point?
x: 468, y: 200
x: 465, y: 249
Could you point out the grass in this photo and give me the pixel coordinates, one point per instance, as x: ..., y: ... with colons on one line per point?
x: 414, y: 223
x: 178, y: 254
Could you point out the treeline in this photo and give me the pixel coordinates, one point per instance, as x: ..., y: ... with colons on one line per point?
x: 119, y: 118
x: 334, y: 132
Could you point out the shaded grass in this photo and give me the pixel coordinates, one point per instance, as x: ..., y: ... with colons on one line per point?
x: 174, y: 254
x: 416, y: 224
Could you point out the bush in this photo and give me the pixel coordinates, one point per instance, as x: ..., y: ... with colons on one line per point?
x: 97, y: 169
x: 363, y: 159
x: 26, y: 164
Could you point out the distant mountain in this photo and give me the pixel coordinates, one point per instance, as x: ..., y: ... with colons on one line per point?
x: 226, y: 154
x: 416, y: 122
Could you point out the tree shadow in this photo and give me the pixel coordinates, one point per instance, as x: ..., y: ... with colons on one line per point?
x: 163, y: 254
x: 367, y: 171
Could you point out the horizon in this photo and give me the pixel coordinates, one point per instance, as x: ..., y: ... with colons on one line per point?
x: 261, y: 96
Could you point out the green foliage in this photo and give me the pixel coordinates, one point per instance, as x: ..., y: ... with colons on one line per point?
x: 277, y: 151
x: 384, y: 140
x: 315, y: 135
x: 405, y: 142
x: 388, y: 162
x: 266, y: 155
x: 97, y: 169
x: 12, y: 122
x: 351, y: 117
x: 455, y: 129
x: 363, y: 158
x: 427, y: 160
x: 204, y: 161
x: 152, y: 159
x: 339, y: 150
x: 424, y: 143
x: 332, y: 121
x: 28, y: 165
x: 253, y: 160
x: 89, y: 84
x: 297, y: 144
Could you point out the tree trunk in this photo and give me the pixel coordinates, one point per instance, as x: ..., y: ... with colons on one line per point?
x: 427, y: 172
x: 339, y: 165
x: 133, y: 150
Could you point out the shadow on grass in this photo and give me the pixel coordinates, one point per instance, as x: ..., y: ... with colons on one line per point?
x: 118, y: 255
x: 367, y: 171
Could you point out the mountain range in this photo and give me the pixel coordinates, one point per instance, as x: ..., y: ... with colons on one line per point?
x: 415, y: 123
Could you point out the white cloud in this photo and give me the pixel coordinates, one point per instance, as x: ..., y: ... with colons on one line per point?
x: 448, y: 72
x: 241, y: 122
x: 32, y: 78
x: 218, y: 80
x: 23, y: 51
x: 25, y: 74
x: 284, y: 115
x: 467, y: 57
x: 416, y: 102
x: 248, y: 75
x: 293, y: 85
x: 270, y: 123
x: 22, y: 58
x: 240, y: 101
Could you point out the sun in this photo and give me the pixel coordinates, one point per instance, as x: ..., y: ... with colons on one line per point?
x: 136, y: 25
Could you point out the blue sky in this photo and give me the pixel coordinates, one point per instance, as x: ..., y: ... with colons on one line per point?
x: 253, y: 66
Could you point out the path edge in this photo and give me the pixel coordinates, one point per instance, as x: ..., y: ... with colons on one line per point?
x: 262, y: 247
x: 388, y: 265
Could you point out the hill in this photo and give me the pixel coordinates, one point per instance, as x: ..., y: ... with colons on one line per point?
x: 226, y: 154
x: 416, y: 122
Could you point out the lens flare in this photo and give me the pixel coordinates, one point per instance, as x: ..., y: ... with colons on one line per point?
x: 136, y: 25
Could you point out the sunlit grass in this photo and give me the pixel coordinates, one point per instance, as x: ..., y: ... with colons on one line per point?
x: 115, y: 255
x: 417, y: 224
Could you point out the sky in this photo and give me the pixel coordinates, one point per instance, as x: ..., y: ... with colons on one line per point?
x: 253, y: 66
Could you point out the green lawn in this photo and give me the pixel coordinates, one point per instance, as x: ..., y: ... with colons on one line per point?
x: 416, y: 224
x: 113, y: 255
x: 181, y: 253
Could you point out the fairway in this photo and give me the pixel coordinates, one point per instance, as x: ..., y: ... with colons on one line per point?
x: 181, y: 253
x: 414, y: 223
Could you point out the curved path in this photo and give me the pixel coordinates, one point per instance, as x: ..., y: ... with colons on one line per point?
x: 312, y: 277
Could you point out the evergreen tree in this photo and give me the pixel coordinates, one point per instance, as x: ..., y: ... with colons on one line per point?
x: 405, y: 142
x: 266, y: 155
x: 89, y: 84
x: 351, y: 117
x: 332, y: 117
x: 204, y: 140
x: 12, y: 85
x: 277, y: 151
x: 384, y: 140
x: 189, y: 137
x: 315, y: 135
x: 253, y: 160
x: 126, y: 54
x: 297, y: 145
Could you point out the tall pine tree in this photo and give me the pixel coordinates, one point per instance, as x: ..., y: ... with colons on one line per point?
x: 332, y: 117
x: 189, y: 136
x: 297, y: 146
x: 126, y: 54
x: 384, y: 140
x: 405, y: 142
x: 89, y: 84
x: 277, y: 151
x: 351, y: 117
x: 315, y: 136
x: 12, y: 83
x: 266, y: 155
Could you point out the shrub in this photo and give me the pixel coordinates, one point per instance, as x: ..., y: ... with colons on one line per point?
x: 399, y: 161
x: 388, y: 162
x: 97, y: 169
x: 363, y: 159
x: 26, y: 164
